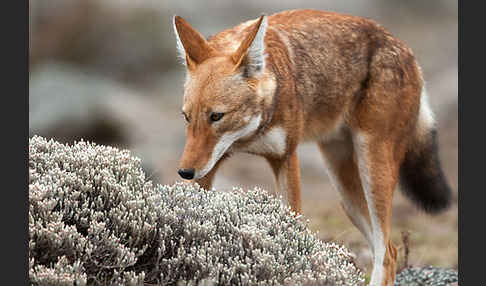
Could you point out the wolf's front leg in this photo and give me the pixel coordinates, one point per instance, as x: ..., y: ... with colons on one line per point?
x: 287, y: 179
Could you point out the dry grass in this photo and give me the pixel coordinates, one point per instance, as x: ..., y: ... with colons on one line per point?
x: 432, y: 240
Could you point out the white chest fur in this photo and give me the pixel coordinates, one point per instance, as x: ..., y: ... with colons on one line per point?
x: 273, y: 142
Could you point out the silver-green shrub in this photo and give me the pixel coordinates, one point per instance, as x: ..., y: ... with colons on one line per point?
x: 94, y: 219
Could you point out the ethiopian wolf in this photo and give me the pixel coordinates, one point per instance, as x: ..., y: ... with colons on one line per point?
x: 344, y: 82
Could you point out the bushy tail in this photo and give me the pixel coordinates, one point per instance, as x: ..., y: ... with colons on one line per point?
x: 421, y: 176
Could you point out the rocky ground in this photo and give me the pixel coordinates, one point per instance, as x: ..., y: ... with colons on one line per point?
x: 429, y: 276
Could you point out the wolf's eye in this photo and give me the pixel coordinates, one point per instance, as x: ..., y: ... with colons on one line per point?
x: 215, y: 116
x: 185, y: 116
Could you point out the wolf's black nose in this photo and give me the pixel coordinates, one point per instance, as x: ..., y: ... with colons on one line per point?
x: 187, y: 174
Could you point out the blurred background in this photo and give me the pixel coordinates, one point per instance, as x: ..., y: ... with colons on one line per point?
x: 107, y: 71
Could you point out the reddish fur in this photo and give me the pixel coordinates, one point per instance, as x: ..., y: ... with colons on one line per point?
x: 239, y: 55
x: 330, y: 78
x: 194, y: 43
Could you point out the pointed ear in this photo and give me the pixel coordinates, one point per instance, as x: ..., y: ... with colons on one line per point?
x: 191, y: 45
x: 250, y: 54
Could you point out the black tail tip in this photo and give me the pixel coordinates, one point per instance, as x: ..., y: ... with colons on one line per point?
x: 432, y: 194
x: 422, y: 179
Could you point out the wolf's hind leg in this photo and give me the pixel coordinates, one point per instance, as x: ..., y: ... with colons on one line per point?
x: 342, y: 169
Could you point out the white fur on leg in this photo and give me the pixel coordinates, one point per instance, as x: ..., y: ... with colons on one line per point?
x: 379, y: 249
x: 334, y: 153
x: 360, y: 220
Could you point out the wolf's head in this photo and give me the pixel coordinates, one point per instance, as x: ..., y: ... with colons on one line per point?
x: 225, y: 94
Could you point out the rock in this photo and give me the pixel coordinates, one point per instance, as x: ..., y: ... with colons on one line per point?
x: 426, y: 276
x: 125, y: 42
x: 70, y: 104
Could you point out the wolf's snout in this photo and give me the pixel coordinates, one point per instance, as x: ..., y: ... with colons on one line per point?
x: 187, y: 174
